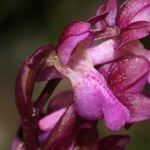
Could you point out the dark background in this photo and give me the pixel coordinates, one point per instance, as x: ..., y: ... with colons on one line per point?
x: 26, y: 25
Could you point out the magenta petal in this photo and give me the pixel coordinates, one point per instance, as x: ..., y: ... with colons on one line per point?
x: 50, y: 120
x: 143, y: 15
x: 105, y: 15
x: 73, y: 35
x: 105, y: 69
x: 88, y: 105
x: 114, y: 142
x: 130, y: 73
x: 64, y: 132
x: 129, y: 10
x: 67, y: 46
x: 17, y: 144
x: 115, y: 115
x: 138, y: 105
x: 133, y: 32
x: 111, y: 17
x: 57, y: 107
x: 94, y: 100
x: 104, y: 52
x: 139, y: 85
x: 75, y: 29
x: 111, y: 9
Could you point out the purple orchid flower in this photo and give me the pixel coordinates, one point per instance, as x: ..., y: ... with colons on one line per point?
x: 85, y: 134
x: 126, y: 23
x: 128, y: 84
x: 63, y: 129
x: 84, y: 77
x: 108, y: 68
x: 86, y: 139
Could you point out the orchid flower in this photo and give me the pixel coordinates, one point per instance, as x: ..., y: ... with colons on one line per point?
x: 87, y: 138
x: 126, y: 23
x: 85, y: 133
x: 128, y: 85
x: 84, y: 77
x: 122, y: 28
x: 107, y: 67
x: 63, y: 129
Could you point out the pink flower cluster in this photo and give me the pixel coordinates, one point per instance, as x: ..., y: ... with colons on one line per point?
x: 108, y: 68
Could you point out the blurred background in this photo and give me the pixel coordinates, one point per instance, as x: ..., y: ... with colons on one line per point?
x: 26, y: 25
